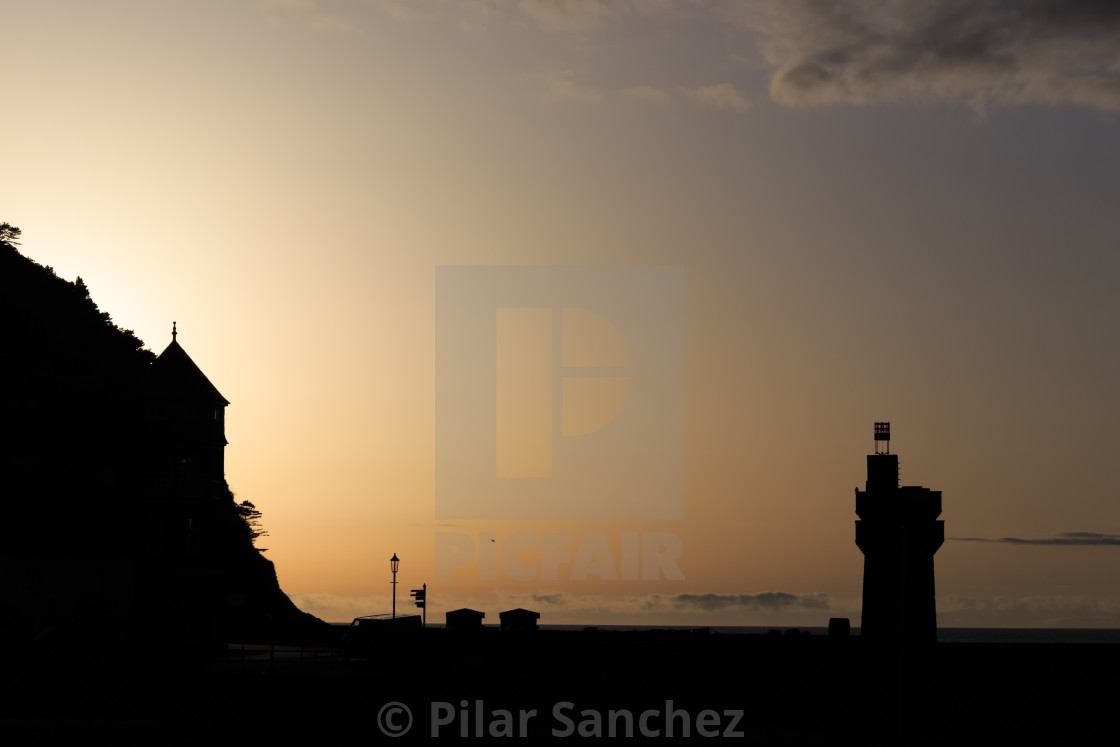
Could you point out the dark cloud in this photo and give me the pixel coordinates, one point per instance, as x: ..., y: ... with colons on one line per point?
x: 769, y: 600
x: 1064, y: 538
x: 555, y: 598
x: 984, y: 52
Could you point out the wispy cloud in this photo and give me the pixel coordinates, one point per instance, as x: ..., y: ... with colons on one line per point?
x: 644, y: 93
x: 336, y: 608
x: 1092, y: 539
x: 1039, y: 610
x: 720, y: 96
x: 307, y: 13
x: 578, y: 15
x: 298, y: 4
x: 565, y: 88
x: 768, y: 600
x: 412, y: 10
x: 984, y: 52
x: 331, y: 22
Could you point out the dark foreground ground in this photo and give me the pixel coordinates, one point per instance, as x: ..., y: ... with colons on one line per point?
x: 658, y: 685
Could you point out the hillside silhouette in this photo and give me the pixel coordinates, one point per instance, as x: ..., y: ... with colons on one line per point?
x: 106, y: 529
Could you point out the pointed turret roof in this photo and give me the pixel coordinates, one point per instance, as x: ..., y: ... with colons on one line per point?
x: 174, y: 373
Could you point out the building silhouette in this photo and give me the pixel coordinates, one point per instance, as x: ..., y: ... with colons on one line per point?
x: 518, y: 620
x: 186, y: 423
x: 183, y: 462
x: 898, y: 533
x: 464, y: 619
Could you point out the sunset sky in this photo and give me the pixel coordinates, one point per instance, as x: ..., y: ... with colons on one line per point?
x: 881, y: 211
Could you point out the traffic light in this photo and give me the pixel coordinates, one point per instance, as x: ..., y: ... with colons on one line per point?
x: 419, y: 594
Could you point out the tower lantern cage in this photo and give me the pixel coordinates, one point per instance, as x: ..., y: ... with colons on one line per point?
x: 882, y: 438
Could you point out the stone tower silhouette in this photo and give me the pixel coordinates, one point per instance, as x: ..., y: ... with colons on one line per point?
x: 184, y: 451
x: 898, y: 533
x: 187, y: 425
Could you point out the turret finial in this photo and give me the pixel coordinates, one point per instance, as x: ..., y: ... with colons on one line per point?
x: 173, y: 332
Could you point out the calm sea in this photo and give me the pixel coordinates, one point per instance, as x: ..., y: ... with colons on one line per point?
x: 948, y: 635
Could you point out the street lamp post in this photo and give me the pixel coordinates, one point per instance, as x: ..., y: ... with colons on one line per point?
x: 393, y: 563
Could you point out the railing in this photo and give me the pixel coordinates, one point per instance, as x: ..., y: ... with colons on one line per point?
x: 277, y: 659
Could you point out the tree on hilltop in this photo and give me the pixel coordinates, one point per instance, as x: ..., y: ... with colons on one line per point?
x: 9, y: 235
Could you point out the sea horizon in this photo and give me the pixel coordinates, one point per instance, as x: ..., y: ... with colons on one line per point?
x: 944, y: 635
